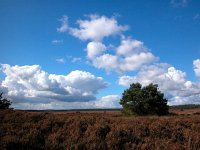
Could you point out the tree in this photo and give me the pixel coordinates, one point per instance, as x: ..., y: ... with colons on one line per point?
x: 144, y: 100
x: 4, y: 103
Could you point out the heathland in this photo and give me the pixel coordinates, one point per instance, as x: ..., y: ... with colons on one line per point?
x: 99, y: 130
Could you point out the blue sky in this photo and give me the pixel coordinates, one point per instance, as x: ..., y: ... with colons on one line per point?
x: 75, y: 54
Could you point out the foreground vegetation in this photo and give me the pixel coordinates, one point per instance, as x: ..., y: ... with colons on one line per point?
x: 100, y: 130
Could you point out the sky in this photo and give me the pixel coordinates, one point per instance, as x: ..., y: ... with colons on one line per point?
x: 76, y: 54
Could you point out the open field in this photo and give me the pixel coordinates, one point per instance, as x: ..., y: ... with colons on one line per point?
x: 99, y: 130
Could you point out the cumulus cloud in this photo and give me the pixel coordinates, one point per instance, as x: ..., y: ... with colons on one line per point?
x: 133, y: 55
x: 114, y: 63
x: 97, y: 27
x: 30, y: 84
x: 107, y: 62
x: 94, y: 49
x: 196, y: 65
x: 136, y: 61
x: 130, y: 55
x: 64, y: 25
x: 130, y: 46
x: 171, y: 81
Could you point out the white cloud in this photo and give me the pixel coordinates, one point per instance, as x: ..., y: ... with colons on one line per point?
x: 130, y: 55
x: 64, y: 27
x: 110, y: 101
x: 55, y: 42
x: 29, y: 87
x: 179, y: 3
x: 130, y: 46
x: 94, y: 49
x: 196, y: 65
x: 107, y: 62
x: 170, y: 80
x: 60, y: 60
x: 120, y: 65
x: 135, y: 61
x: 97, y: 27
x: 30, y: 84
x: 59, y: 105
x: 73, y: 59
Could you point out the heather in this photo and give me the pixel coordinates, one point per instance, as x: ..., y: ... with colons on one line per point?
x: 98, y: 130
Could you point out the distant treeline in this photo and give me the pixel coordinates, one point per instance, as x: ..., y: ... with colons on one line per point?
x: 188, y: 106
x: 73, y: 110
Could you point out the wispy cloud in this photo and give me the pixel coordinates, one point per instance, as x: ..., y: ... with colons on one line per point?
x: 64, y: 25
x: 55, y: 42
x: 196, y: 16
x: 61, y: 60
x: 179, y: 3
x: 76, y: 60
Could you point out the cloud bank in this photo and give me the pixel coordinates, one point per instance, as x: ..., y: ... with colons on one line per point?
x: 171, y: 81
x: 110, y: 101
x: 31, y: 84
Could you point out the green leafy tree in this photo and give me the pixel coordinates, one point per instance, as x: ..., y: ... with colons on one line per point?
x: 144, y: 100
x: 4, y: 102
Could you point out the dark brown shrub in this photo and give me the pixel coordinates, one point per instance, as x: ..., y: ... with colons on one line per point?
x: 100, y: 131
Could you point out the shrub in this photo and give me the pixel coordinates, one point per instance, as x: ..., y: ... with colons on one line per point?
x: 103, y: 131
x: 19, y: 130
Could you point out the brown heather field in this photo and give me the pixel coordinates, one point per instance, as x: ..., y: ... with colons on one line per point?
x: 99, y: 130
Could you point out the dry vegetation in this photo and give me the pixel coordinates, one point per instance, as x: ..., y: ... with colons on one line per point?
x: 105, y: 130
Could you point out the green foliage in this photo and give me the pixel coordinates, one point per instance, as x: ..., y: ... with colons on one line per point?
x: 4, y: 103
x: 144, y: 100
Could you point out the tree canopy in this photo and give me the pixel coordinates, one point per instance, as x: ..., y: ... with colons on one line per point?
x: 4, y: 102
x: 144, y: 100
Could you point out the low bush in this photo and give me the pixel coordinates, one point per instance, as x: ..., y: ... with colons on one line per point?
x: 100, y: 131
